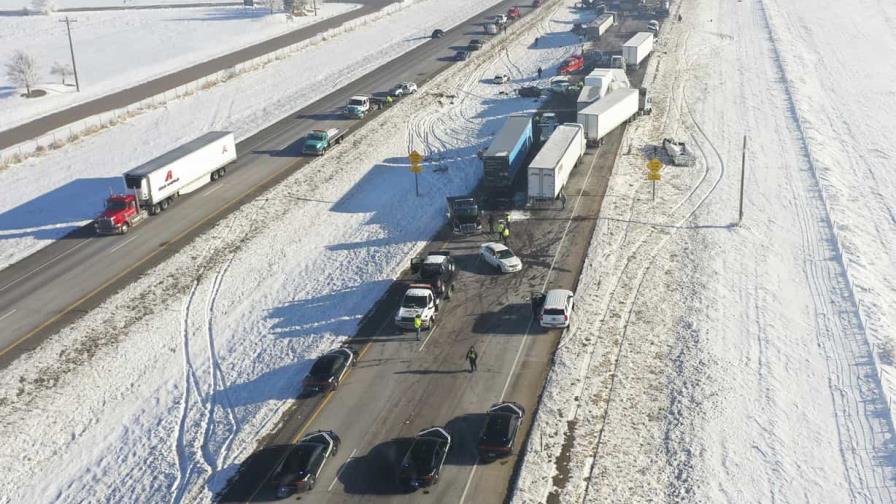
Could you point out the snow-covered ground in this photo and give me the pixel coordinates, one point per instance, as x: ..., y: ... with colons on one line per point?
x: 44, y: 198
x: 176, y: 380
x: 14, y: 5
x: 119, y: 49
x: 715, y: 363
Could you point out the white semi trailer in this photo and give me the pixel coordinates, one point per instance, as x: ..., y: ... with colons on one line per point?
x: 549, y: 171
x: 158, y: 182
x: 607, y: 113
x: 637, y: 48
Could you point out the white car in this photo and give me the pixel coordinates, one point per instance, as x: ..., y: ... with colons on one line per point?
x: 557, y: 308
x: 500, y: 19
x: 405, y: 88
x: 559, y: 84
x: 501, y: 79
x: 500, y: 257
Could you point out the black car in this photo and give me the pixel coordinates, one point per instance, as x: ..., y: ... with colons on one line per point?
x: 438, y: 33
x: 423, y: 462
x: 461, y: 55
x: 302, y: 465
x: 529, y: 91
x: 474, y: 45
x: 437, y: 269
x: 502, y: 422
x: 329, y: 369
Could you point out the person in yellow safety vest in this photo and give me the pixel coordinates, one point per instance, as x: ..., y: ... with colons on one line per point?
x: 507, y: 220
x: 388, y: 100
x: 500, y: 228
x: 418, y: 323
x: 505, y: 235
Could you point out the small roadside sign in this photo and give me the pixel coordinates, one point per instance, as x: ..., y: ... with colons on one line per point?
x: 415, y: 157
x: 654, y: 176
x: 654, y: 165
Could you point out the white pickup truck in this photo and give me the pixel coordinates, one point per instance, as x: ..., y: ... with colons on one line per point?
x: 357, y: 107
x: 418, y: 300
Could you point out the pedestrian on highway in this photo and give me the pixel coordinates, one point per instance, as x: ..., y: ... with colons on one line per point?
x: 537, y: 302
x: 504, y: 28
x: 563, y: 200
x: 505, y: 235
x: 418, y: 324
x: 679, y: 18
x: 507, y: 220
x: 472, y: 356
x: 491, y: 223
x: 540, y: 71
x: 500, y: 228
x: 388, y: 100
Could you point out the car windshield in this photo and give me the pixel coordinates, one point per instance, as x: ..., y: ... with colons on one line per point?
x: 325, y: 366
x: 356, y: 102
x: 553, y: 311
x: 415, y: 302
x: 116, y: 205
x: 316, y: 135
x: 422, y: 454
x: 504, y: 254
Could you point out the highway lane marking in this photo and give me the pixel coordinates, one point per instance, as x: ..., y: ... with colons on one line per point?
x: 42, y: 266
x: 543, y: 287
x: 129, y: 240
x: 431, y: 332
x: 8, y: 314
x: 339, y: 472
x: 213, y: 189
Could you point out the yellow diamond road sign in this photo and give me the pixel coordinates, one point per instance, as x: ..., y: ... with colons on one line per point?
x: 654, y: 165
x: 415, y: 157
x: 654, y: 176
x: 416, y: 168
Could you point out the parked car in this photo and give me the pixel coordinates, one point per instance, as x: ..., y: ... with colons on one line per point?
x: 438, y: 33
x: 474, y: 45
x: 557, y: 308
x: 502, y: 79
x: 461, y: 55
x: 423, y: 462
x: 300, y: 468
x: 500, y: 19
x: 514, y: 13
x: 560, y: 84
x: 329, y: 370
x: 404, y: 88
x: 501, y: 257
x: 502, y: 422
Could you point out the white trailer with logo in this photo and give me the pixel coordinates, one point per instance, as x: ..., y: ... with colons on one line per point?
x: 549, y: 171
x: 608, y: 113
x: 158, y: 182
x: 637, y: 48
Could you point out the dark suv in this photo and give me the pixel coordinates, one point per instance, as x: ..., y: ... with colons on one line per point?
x: 501, y: 426
x: 437, y: 269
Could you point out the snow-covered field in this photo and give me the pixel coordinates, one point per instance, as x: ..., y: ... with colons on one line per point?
x: 46, y: 197
x: 715, y: 363
x: 13, y: 5
x: 119, y: 49
x: 177, y: 380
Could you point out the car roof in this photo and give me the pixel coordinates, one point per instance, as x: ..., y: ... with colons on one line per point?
x: 435, y: 433
x: 435, y: 259
x: 507, y: 407
x: 556, y: 298
x: 319, y: 437
x: 495, y: 246
x: 358, y: 97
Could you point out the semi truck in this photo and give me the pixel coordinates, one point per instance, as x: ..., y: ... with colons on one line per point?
x: 607, y: 113
x: 319, y: 141
x: 357, y: 107
x: 507, y: 153
x: 463, y: 214
x: 637, y: 48
x: 549, y: 171
x: 599, y: 26
x: 154, y: 185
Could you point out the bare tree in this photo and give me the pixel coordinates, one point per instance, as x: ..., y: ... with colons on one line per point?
x: 61, y: 70
x: 22, y: 70
x: 43, y: 6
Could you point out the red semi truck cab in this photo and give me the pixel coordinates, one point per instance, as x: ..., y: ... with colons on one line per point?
x: 121, y: 212
x: 572, y: 64
x: 513, y: 13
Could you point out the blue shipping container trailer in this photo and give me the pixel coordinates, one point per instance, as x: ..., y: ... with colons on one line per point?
x: 507, y: 152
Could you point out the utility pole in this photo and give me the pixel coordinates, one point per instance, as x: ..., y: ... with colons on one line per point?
x: 68, y: 26
x: 314, y: 2
x: 743, y: 163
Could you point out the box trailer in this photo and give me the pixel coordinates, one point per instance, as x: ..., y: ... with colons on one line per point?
x: 603, y: 77
x: 507, y: 152
x: 158, y: 182
x: 599, y: 26
x: 549, y: 171
x: 607, y: 113
x: 589, y: 95
x: 637, y: 48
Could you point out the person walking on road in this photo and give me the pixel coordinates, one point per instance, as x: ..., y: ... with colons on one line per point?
x: 563, y: 200
x: 500, y: 228
x: 471, y: 357
x: 540, y: 71
x: 418, y: 324
x: 507, y: 220
x: 505, y: 235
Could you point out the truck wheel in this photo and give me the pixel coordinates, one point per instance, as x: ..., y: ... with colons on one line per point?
x: 125, y: 227
x: 164, y: 204
x: 154, y: 210
x: 214, y: 175
x: 223, y: 171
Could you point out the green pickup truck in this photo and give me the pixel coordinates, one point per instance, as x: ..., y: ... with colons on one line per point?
x: 318, y: 141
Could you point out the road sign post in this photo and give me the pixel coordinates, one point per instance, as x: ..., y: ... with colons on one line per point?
x: 415, y: 159
x: 654, y: 165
